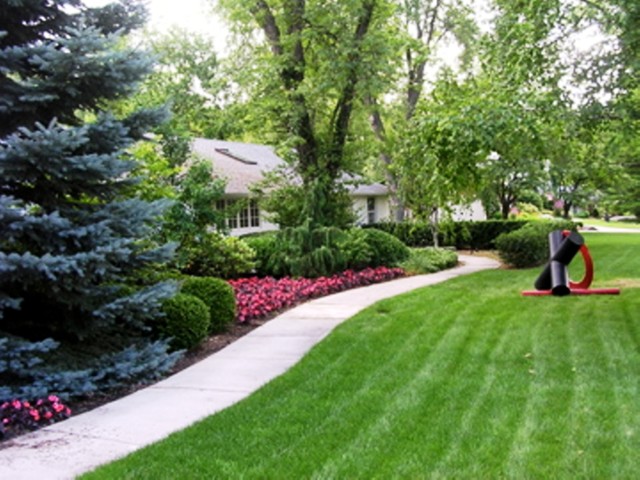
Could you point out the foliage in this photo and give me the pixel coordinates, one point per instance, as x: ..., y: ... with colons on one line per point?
x: 216, y: 255
x: 528, y: 246
x: 288, y: 203
x: 426, y: 372
x: 219, y: 298
x: 265, y: 245
x: 429, y: 260
x: 194, y: 211
x: 372, y: 248
x: 438, y: 167
x: 70, y: 233
x: 17, y: 416
x: 198, y: 226
x: 307, y: 252
x: 190, y: 79
x: 357, y: 251
x: 423, y: 27
x: 34, y: 369
x: 186, y: 321
x: 477, y: 235
x: 260, y: 297
x: 308, y: 66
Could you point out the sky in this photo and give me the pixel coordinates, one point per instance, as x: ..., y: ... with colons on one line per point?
x: 193, y: 15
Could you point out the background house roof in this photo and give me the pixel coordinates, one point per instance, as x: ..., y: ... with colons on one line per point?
x: 244, y: 164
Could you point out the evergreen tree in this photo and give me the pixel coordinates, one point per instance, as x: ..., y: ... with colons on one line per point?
x: 69, y: 236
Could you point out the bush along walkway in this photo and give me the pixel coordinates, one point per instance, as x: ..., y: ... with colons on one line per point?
x: 81, y: 443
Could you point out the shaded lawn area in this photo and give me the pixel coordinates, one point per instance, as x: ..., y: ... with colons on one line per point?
x: 465, y: 379
x: 603, y: 223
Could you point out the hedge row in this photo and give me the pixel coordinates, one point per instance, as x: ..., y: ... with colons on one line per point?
x: 476, y: 235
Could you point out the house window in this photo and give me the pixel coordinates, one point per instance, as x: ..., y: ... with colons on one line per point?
x: 371, y: 210
x: 254, y: 213
x: 240, y: 213
x: 232, y: 219
x: 244, y: 217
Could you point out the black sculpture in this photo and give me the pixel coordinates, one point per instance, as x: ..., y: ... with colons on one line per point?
x: 564, y: 245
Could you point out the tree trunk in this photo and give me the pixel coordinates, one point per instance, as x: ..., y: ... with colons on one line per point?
x: 566, y: 209
x: 505, y: 208
x: 377, y: 125
x: 433, y: 224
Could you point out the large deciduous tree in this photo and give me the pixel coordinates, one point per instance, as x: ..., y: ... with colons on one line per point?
x: 70, y: 238
x: 313, y: 62
x: 423, y: 28
x: 189, y: 78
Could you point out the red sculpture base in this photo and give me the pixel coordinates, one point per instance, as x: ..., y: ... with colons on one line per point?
x: 581, y: 287
x: 575, y: 291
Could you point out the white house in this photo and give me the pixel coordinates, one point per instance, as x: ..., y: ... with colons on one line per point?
x: 244, y: 164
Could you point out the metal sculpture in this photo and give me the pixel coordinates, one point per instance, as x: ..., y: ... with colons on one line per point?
x: 564, y: 245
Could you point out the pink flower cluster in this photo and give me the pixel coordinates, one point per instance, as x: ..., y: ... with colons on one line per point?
x: 20, y: 415
x: 259, y: 297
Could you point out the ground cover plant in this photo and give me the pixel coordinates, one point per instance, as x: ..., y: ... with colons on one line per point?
x: 466, y: 379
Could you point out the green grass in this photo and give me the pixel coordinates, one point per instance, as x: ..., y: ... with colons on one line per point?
x: 466, y: 379
x: 602, y: 223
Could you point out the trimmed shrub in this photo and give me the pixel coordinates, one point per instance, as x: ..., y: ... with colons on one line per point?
x: 529, y: 246
x: 186, y: 321
x: 429, y: 260
x: 216, y: 255
x: 413, y: 234
x: 476, y: 235
x: 356, y: 249
x: 265, y: 246
x: 218, y: 296
x: 386, y: 249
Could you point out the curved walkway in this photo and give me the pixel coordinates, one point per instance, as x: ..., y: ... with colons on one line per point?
x: 77, y: 445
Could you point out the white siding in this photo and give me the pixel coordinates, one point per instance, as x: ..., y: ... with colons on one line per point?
x: 474, y: 211
x: 381, y: 209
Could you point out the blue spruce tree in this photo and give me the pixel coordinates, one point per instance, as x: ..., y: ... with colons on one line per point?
x: 70, y: 237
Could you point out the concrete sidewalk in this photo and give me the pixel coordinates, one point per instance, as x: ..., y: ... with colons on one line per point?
x: 77, y: 445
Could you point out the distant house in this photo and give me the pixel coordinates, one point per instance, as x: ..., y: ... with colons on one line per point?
x: 244, y: 164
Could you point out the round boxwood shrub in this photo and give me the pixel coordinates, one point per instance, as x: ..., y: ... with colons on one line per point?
x: 219, y: 298
x: 528, y: 246
x: 371, y: 247
x: 386, y: 249
x: 216, y: 255
x: 186, y: 321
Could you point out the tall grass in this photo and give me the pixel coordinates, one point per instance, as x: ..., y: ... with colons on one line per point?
x: 466, y: 379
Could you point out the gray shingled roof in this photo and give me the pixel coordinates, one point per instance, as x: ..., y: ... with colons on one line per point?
x: 244, y: 164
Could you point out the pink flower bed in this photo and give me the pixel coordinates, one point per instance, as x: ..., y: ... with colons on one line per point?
x: 259, y: 297
x: 18, y: 416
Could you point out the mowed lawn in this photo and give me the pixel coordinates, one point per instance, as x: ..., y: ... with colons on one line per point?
x: 466, y: 379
